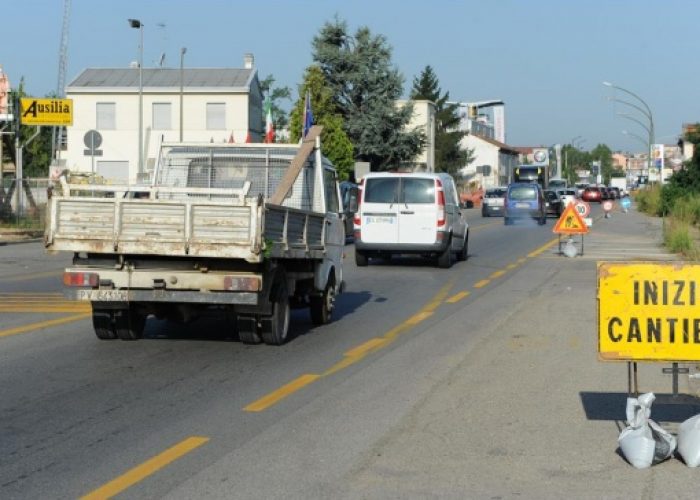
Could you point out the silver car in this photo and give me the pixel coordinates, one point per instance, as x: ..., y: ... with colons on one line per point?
x: 492, y: 203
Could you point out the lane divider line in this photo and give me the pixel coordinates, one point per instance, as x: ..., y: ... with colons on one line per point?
x: 541, y: 249
x: 42, y: 324
x: 353, y: 355
x: 497, y: 274
x: 457, y: 297
x: 149, y: 467
x: 27, y: 277
x: 281, y: 393
x: 482, y: 283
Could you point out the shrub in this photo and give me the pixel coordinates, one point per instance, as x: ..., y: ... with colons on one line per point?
x: 677, y: 237
x: 649, y: 200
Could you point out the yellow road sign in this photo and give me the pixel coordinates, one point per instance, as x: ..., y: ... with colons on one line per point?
x: 648, y: 311
x: 35, y: 111
x: 570, y: 222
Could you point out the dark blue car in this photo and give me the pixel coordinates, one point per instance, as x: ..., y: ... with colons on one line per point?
x: 523, y: 201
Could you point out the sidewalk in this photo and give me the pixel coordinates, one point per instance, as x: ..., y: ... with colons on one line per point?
x: 530, y: 412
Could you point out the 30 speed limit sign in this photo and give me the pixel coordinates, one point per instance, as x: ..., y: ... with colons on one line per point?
x: 583, y: 208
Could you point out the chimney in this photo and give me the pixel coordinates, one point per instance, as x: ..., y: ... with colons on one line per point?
x: 248, y: 61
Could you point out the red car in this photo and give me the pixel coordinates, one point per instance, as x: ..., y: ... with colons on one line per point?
x: 592, y: 193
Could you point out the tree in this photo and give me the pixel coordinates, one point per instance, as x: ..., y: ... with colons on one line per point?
x: 449, y: 156
x: 36, y: 156
x: 365, y: 87
x: 276, y: 94
x: 603, y: 154
x: 336, y: 145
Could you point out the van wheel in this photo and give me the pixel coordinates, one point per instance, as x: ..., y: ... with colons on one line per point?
x: 129, y: 323
x: 103, y: 324
x: 506, y: 221
x: 360, y: 259
x: 464, y: 252
x: 274, y: 328
x: 543, y: 220
x: 444, y: 260
x: 322, y: 306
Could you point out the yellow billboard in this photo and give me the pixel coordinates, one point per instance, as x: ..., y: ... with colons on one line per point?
x: 648, y: 311
x: 35, y: 111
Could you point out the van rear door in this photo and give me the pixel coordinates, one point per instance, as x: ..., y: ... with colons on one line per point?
x: 380, y: 209
x: 418, y: 210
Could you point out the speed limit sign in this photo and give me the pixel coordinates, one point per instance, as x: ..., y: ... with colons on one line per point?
x: 607, y: 205
x: 583, y: 208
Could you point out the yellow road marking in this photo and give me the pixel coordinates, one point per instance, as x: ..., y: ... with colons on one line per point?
x: 482, y: 283
x: 511, y: 266
x: 48, y: 308
x: 497, y: 274
x: 457, y: 297
x: 42, y: 324
x: 544, y: 247
x: 281, y: 393
x: 31, y: 276
x: 521, y: 260
x: 353, y: 355
x: 31, y: 294
x: 147, y: 468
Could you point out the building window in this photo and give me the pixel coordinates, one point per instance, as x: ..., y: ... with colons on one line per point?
x: 216, y: 116
x: 162, y: 113
x: 106, y: 116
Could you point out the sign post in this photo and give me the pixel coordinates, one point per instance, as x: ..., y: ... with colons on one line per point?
x: 92, y: 140
x: 570, y: 222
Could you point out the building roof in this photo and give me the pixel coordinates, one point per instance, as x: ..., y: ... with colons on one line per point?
x: 228, y: 78
x: 503, y: 147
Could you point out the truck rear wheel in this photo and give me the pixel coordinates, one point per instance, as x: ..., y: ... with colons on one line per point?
x: 103, y: 324
x: 129, y: 323
x: 274, y: 328
x: 321, y: 307
x: 248, y: 329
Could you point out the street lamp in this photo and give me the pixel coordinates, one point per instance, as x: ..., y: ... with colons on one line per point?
x: 573, y: 141
x: 183, y: 51
x: 646, y: 112
x: 135, y: 23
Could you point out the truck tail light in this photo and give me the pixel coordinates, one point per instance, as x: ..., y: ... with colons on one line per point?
x: 241, y: 284
x: 356, y: 220
x: 441, y: 203
x: 81, y: 279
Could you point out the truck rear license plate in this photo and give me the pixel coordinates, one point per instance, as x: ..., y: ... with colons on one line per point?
x: 103, y: 295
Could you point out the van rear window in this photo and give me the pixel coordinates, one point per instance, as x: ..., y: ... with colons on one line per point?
x: 523, y: 193
x: 418, y: 191
x: 382, y: 190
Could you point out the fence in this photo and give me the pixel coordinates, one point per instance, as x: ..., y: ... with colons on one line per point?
x: 23, y: 204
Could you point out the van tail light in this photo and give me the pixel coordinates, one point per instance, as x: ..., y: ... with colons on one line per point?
x: 356, y: 220
x: 81, y: 279
x: 441, y: 203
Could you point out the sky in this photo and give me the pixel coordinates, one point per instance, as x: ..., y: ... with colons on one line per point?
x: 546, y: 59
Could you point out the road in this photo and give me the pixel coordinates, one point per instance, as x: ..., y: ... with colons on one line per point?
x: 191, y: 412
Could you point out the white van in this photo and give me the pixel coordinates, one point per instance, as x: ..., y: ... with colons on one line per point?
x: 410, y: 213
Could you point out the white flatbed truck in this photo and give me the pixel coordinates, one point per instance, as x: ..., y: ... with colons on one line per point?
x: 250, y: 229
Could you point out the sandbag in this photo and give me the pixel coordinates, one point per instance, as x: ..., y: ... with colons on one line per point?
x: 644, y: 442
x: 689, y: 441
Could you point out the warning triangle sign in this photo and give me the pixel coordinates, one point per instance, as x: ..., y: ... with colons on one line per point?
x: 570, y: 222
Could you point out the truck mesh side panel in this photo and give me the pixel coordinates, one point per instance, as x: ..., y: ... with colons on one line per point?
x: 230, y: 167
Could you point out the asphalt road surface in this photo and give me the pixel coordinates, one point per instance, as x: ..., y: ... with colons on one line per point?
x: 190, y: 412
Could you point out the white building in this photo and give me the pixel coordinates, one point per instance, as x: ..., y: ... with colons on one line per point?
x: 423, y: 118
x: 493, y: 161
x: 218, y: 105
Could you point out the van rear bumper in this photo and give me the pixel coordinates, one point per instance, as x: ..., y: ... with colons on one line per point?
x: 437, y: 247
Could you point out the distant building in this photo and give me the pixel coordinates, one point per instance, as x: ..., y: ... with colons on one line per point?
x: 219, y: 105
x: 493, y: 161
x: 423, y: 118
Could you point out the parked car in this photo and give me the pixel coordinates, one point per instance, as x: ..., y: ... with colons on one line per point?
x: 493, y: 201
x: 410, y: 214
x: 592, y: 193
x: 524, y: 200
x: 552, y: 202
x: 566, y: 196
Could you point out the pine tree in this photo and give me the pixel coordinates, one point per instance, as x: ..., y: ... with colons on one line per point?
x: 365, y: 87
x: 449, y: 156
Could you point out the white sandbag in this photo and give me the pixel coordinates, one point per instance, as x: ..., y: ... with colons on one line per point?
x: 689, y: 441
x: 644, y: 442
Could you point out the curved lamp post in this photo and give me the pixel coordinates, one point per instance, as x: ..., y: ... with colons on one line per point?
x: 135, y: 23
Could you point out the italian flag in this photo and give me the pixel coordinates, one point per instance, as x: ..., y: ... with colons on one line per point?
x: 269, y: 126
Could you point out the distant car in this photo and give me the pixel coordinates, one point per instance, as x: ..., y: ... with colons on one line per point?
x: 493, y: 201
x: 615, y: 191
x: 605, y: 193
x: 580, y: 188
x: 566, y: 196
x: 524, y: 200
x: 556, y: 184
x: 592, y: 193
x: 552, y: 202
